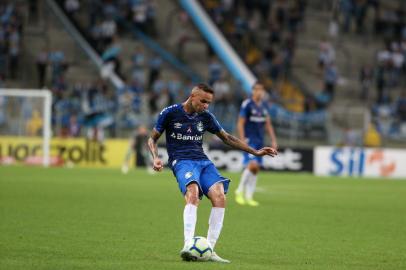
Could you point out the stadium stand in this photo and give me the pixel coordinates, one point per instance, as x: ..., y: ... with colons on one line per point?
x: 328, y: 68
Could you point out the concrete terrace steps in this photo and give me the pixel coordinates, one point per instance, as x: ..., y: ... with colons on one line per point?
x: 49, y: 33
x: 170, y: 28
x: 352, y: 51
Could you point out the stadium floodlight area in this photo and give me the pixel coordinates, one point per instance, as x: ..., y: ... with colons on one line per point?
x: 27, y: 113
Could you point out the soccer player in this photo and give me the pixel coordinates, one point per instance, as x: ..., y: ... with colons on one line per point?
x: 196, y: 175
x: 252, y: 121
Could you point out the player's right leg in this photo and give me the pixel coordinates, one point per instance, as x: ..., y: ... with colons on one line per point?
x: 188, y: 175
x: 190, y: 218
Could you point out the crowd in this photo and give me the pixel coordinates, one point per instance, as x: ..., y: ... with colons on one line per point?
x: 264, y: 33
x: 11, y: 31
x: 387, y: 73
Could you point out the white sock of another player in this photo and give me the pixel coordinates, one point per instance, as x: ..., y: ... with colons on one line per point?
x: 215, y: 225
x: 189, y: 221
x: 251, y: 185
x: 246, y: 175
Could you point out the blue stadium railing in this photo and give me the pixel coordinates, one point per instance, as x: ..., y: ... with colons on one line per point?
x: 219, y: 44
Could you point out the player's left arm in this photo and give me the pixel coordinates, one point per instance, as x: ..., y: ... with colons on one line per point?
x: 239, y: 144
x: 271, y: 132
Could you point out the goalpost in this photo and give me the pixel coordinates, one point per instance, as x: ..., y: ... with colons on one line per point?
x: 17, y: 105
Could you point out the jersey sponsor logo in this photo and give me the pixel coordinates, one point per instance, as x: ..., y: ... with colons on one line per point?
x: 200, y: 126
x: 180, y: 136
x: 257, y: 119
x: 177, y: 125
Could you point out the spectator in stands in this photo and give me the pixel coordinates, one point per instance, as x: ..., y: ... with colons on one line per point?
x: 42, y: 63
x: 366, y: 78
x: 372, y: 138
x: 140, y: 15
x: 351, y: 137
x: 74, y: 126
x: 360, y: 10
x: 175, y: 88
x: 398, y: 61
x: 215, y: 70
x: 275, y: 34
x: 381, y: 81
x: 108, y: 30
x: 400, y: 107
x: 137, y: 90
x: 111, y: 55
x: 223, y: 97
x: 159, y: 96
x: 330, y: 79
x: 13, y: 51
x: 99, y: 107
x: 72, y: 7
x: 58, y: 64
x: 151, y: 18
x: 138, y: 66
x: 383, y: 115
x: 276, y: 67
x: 155, y: 65
x: 182, y: 34
x: 347, y: 9
x: 3, y: 56
x: 326, y: 53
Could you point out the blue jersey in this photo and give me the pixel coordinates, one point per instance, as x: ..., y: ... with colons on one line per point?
x: 255, y: 118
x: 184, y: 132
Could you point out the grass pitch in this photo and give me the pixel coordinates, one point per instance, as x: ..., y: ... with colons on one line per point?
x: 100, y: 219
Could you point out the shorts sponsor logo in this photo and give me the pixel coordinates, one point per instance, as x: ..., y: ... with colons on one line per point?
x: 188, y: 175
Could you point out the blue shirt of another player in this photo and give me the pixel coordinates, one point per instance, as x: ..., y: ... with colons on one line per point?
x: 184, y: 132
x: 255, y: 119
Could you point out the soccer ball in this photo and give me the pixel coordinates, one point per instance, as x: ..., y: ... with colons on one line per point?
x: 200, y: 248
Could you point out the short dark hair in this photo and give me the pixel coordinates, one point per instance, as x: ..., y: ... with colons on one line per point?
x: 256, y: 83
x: 206, y: 88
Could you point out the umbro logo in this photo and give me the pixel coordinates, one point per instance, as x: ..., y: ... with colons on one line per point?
x: 177, y: 125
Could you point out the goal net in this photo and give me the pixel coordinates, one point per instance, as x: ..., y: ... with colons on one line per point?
x: 25, y: 126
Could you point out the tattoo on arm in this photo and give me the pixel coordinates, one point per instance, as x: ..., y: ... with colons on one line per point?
x: 152, y: 143
x: 234, y: 142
